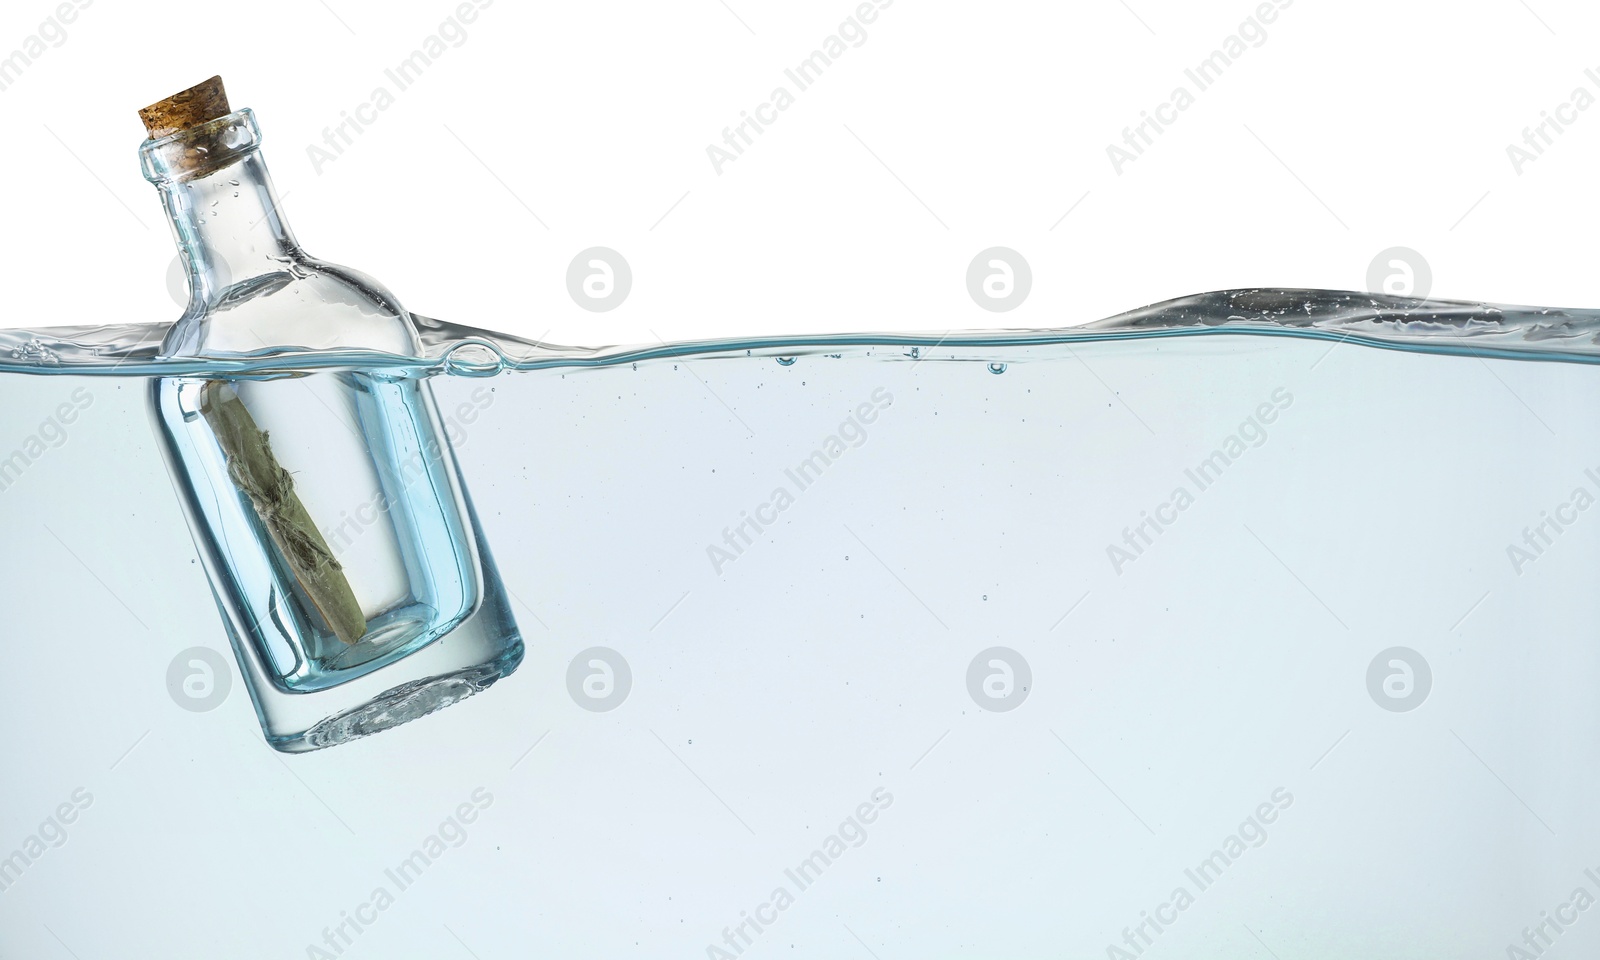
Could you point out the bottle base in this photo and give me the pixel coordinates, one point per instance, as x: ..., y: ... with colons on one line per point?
x: 402, y: 704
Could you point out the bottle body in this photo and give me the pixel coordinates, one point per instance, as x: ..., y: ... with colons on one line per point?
x: 327, y: 505
x: 387, y: 497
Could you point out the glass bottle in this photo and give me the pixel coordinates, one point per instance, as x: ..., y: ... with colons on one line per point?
x: 340, y: 542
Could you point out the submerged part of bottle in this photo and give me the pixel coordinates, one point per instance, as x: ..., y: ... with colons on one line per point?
x: 338, y: 535
x: 356, y: 550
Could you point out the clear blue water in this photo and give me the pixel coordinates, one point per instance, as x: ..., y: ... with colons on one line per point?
x: 1268, y: 615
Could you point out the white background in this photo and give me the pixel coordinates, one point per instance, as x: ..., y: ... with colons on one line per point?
x: 997, y: 116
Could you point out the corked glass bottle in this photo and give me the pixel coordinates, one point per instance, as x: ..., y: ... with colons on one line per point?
x: 327, y: 506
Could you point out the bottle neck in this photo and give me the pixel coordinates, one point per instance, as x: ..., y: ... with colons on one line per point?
x: 225, y: 214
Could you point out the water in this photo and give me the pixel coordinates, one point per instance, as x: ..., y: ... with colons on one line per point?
x: 1026, y: 651
x: 1419, y: 326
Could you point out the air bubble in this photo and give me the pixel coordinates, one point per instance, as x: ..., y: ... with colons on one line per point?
x: 997, y: 368
x: 473, y: 358
x: 786, y: 361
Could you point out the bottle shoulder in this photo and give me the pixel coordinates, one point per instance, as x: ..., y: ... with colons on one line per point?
x: 307, y: 304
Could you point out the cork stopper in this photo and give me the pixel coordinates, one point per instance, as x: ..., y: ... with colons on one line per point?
x: 199, y: 104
